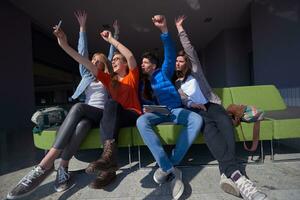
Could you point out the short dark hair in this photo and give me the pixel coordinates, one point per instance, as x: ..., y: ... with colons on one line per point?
x: 151, y: 57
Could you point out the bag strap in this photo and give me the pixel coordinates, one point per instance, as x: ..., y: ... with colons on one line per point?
x: 255, y: 137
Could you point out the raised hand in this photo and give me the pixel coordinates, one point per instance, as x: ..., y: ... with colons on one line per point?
x: 160, y: 22
x: 116, y: 27
x: 60, y: 35
x: 179, y: 20
x: 106, y: 35
x: 81, y: 18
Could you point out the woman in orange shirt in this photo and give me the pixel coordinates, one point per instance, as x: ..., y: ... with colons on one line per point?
x: 121, y: 111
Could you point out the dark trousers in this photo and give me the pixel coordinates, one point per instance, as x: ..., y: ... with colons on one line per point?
x: 79, y: 121
x: 219, y: 136
x: 114, y: 118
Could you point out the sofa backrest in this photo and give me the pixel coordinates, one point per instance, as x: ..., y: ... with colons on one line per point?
x: 225, y: 96
x: 266, y: 97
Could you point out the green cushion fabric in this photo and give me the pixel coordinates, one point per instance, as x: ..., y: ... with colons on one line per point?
x: 286, y: 122
x: 93, y: 140
x: 286, y: 128
x: 265, y: 97
x: 225, y: 96
x: 266, y: 131
x: 46, y: 138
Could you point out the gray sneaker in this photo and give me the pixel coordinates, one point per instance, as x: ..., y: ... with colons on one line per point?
x: 160, y: 176
x: 63, y: 180
x: 29, y: 182
x: 177, y: 186
x: 228, y: 186
x: 247, y: 188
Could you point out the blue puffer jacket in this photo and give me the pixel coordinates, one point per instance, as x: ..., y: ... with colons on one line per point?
x: 164, y: 91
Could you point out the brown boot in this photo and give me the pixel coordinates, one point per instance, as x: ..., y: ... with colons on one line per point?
x: 108, y: 160
x: 103, y: 179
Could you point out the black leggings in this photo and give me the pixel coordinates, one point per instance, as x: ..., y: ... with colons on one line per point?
x: 219, y: 136
x: 114, y: 118
x: 79, y: 121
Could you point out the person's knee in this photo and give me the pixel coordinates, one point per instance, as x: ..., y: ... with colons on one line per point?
x: 141, y: 122
x: 195, y: 120
x: 84, y: 125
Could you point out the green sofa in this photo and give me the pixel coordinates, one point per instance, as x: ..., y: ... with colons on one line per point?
x: 281, y: 122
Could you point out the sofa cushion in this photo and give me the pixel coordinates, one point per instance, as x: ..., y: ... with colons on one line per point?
x: 46, y: 138
x: 286, y: 122
x: 225, y: 96
x: 265, y: 97
x: 265, y: 133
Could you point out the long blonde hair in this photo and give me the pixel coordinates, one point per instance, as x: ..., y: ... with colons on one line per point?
x: 104, y: 61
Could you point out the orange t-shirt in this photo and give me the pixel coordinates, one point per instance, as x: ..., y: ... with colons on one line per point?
x: 126, y: 93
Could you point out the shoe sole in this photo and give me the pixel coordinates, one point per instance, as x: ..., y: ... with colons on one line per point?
x: 63, y: 190
x: 102, y: 186
x: 98, y: 170
x: 226, y: 187
x: 179, y: 193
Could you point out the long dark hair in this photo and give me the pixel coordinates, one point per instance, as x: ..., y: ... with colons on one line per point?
x: 188, y: 71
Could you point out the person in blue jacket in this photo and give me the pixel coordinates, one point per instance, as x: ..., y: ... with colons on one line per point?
x: 81, y: 118
x: 166, y: 94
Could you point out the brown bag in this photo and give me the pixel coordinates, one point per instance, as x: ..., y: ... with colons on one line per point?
x: 245, y: 113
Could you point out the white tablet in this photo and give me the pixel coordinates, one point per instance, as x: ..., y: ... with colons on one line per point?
x: 158, y: 109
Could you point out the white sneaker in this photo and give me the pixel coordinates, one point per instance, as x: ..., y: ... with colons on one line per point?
x: 160, y: 176
x: 247, y: 188
x: 228, y: 186
x: 177, y: 186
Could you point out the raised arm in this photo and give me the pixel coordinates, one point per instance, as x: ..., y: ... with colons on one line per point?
x: 107, y: 36
x: 63, y: 43
x: 112, y: 49
x: 82, y: 47
x: 168, y: 65
x: 187, y: 46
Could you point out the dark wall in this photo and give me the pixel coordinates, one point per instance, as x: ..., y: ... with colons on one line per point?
x: 237, y: 56
x: 227, y: 58
x: 16, y: 82
x: 214, y: 62
x: 276, y: 42
x: 47, y: 51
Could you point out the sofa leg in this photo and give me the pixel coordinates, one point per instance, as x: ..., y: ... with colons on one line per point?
x: 139, y: 156
x: 262, y: 151
x: 272, y: 150
x: 129, y: 155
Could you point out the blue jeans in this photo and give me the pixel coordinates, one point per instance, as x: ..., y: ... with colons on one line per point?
x: 191, y: 122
